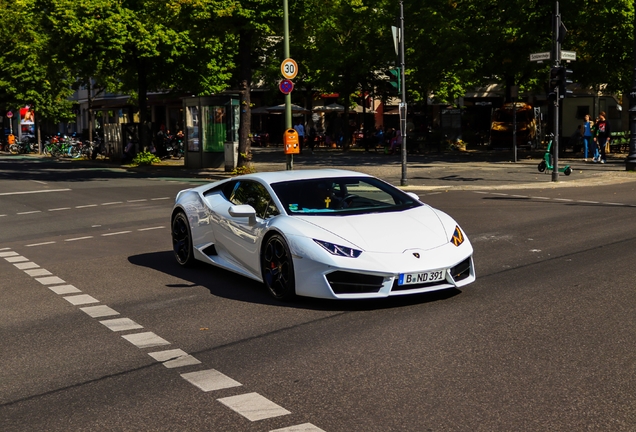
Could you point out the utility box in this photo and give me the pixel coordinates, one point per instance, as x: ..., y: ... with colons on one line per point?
x: 290, y: 142
x: 231, y: 155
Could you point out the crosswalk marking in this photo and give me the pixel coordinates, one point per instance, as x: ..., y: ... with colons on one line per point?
x: 210, y: 380
x: 145, y: 340
x: 253, y: 406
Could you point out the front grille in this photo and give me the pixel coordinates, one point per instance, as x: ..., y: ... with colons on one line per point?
x: 461, y: 271
x: 354, y: 283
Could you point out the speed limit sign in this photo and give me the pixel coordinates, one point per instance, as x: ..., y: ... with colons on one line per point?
x: 289, y: 68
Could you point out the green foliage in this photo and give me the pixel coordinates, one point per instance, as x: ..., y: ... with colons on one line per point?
x: 145, y: 158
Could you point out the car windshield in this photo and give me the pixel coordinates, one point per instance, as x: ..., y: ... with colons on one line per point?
x: 341, y: 196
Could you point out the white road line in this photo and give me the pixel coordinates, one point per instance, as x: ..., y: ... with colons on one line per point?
x: 519, y: 196
x: 39, y: 182
x: 562, y: 199
x: 148, y: 229
x: 15, y: 259
x: 4, y: 249
x: 26, y: 265
x: 114, y: 202
x: 2, y: 215
x: 210, y: 380
x: 174, y: 358
x: 115, y: 233
x: 40, y: 244
x: 481, y: 193
x: 159, y: 199
x: 59, y: 209
x: 81, y: 299
x: 121, y: 324
x: 588, y: 202
x: 253, y: 406
x: 616, y: 204
x: 64, y: 289
x: 145, y: 340
x: 8, y: 254
x: 305, y: 427
x: 138, y: 200
x: 29, y: 212
x: 496, y: 193
x: 79, y: 238
x: 33, y: 192
x: 38, y: 272
x: 50, y: 280
x: 99, y: 311
x: 86, y: 206
x: 546, y: 198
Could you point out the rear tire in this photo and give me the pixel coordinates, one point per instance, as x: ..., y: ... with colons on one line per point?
x: 567, y: 171
x: 182, y: 240
x: 277, y: 268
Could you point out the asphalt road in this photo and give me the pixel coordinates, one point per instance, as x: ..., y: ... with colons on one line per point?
x: 543, y: 340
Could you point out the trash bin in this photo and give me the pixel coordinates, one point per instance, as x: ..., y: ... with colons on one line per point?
x: 290, y: 142
x: 231, y: 155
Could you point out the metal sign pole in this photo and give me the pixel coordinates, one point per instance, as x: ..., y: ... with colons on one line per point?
x: 557, y: 103
x: 403, y: 181
x: 288, y: 110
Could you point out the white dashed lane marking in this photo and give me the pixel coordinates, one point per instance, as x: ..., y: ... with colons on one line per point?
x: 121, y: 324
x: 253, y: 406
x: 210, y: 380
x: 64, y: 289
x: 60, y: 209
x: 145, y: 340
x: 556, y: 199
x: 152, y: 228
x: 40, y: 244
x: 29, y: 212
x: 115, y: 233
x: 305, y: 427
x: 98, y: 311
x: 81, y: 299
x: 174, y: 358
x: 79, y: 238
x: 33, y: 192
x: 86, y: 206
x: 137, y: 200
x: 112, y: 203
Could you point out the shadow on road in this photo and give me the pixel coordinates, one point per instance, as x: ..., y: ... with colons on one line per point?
x: 225, y: 284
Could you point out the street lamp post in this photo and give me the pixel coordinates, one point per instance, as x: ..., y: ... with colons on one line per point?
x: 288, y: 109
x: 630, y: 162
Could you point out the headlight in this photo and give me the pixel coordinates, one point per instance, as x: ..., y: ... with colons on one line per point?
x: 338, y: 250
x: 458, y: 236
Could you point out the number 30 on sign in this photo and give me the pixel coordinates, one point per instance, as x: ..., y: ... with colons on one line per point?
x: 289, y: 68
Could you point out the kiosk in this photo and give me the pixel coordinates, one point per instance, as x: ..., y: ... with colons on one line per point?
x: 211, y: 131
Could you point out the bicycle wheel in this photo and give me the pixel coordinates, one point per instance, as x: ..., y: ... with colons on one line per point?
x: 74, y: 152
x: 14, y: 149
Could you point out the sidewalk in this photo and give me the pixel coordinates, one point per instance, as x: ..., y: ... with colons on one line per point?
x: 467, y: 171
x: 446, y: 171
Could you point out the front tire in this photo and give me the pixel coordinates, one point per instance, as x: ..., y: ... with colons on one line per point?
x: 542, y: 166
x: 182, y: 240
x: 277, y: 268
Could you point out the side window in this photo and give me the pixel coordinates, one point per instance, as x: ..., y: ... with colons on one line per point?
x: 254, y: 194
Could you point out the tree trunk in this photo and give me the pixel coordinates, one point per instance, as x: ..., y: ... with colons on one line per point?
x: 245, y: 73
x: 143, y: 104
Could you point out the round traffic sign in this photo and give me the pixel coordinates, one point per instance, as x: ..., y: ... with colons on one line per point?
x: 286, y: 86
x: 289, y: 68
x: 9, y: 114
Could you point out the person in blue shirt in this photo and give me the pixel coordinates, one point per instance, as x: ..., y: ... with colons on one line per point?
x: 588, y: 139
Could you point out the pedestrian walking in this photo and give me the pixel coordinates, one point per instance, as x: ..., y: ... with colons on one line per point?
x: 588, y: 139
x: 603, y: 138
x: 300, y: 129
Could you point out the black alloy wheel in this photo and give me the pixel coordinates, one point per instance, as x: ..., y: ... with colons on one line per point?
x: 278, y: 268
x: 182, y: 240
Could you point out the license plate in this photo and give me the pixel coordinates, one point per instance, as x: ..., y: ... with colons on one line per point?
x: 424, y: 277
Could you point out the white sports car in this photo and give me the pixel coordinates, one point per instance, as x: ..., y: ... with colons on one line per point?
x: 321, y: 233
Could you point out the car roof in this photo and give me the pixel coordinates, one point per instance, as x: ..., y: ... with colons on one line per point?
x: 290, y: 175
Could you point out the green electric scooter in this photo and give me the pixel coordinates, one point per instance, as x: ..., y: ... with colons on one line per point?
x: 547, y: 164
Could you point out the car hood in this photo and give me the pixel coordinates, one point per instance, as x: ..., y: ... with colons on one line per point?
x: 392, y: 232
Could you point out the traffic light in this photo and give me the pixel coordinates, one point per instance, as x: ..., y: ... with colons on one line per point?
x: 554, y: 83
x: 564, y: 82
x: 396, y: 78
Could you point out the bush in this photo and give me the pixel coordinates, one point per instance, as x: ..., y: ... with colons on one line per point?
x: 145, y: 158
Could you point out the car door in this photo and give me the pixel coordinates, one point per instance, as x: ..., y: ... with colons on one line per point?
x: 239, y: 238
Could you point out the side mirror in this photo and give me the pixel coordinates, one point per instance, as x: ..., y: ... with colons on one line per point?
x: 413, y: 195
x: 243, y: 211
